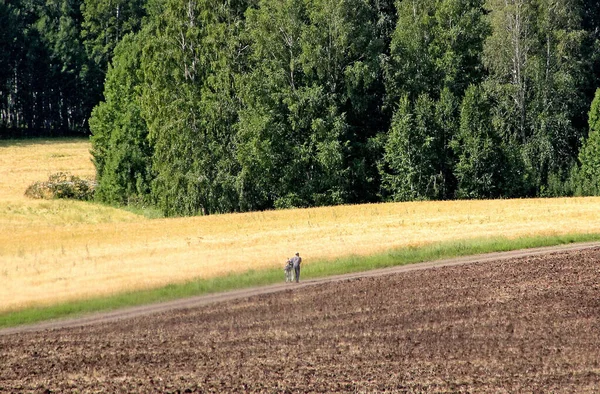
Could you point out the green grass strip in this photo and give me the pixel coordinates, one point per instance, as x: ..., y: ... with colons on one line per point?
x: 316, y: 269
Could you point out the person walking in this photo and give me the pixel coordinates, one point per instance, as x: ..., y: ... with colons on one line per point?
x: 296, y: 260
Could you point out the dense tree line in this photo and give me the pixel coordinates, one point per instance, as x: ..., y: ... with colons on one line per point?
x: 53, y: 61
x: 215, y: 106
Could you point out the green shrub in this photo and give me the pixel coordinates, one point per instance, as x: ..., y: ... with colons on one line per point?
x: 62, y: 185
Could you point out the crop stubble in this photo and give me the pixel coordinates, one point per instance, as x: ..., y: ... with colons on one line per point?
x: 522, y: 325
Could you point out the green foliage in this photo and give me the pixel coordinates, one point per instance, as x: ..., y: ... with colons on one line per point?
x: 412, y: 69
x: 188, y: 101
x: 313, y: 68
x: 436, y: 45
x: 105, y: 23
x: 44, y: 63
x: 446, y: 124
x: 11, y: 37
x: 62, y: 185
x: 418, y: 161
x: 562, y: 184
x: 481, y: 162
x: 120, y: 148
x: 218, y: 106
x: 460, y: 32
x: 48, y: 79
x: 435, y: 52
x: 589, y: 156
x: 536, y: 79
x: 409, y: 171
x: 395, y: 180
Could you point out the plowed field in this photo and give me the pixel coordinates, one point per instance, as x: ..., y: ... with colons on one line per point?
x: 529, y: 324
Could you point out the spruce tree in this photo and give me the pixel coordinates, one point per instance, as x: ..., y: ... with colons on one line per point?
x: 478, y: 149
x: 120, y: 147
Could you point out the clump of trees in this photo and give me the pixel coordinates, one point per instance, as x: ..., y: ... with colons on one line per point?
x: 54, y: 59
x: 218, y: 106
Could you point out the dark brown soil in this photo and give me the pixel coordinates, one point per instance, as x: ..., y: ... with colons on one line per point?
x: 529, y: 324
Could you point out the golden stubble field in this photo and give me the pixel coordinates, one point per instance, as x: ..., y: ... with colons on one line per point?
x: 53, y: 251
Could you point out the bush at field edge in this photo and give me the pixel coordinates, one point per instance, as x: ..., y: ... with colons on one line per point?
x: 62, y: 185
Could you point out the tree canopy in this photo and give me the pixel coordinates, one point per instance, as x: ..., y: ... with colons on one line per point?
x: 210, y: 106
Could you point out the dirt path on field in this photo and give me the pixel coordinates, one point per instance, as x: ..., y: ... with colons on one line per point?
x: 525, y: 321
x: 194, y: 302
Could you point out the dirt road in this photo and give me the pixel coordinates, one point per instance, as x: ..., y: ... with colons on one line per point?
x: 193, y: 302
x: 526, y: 321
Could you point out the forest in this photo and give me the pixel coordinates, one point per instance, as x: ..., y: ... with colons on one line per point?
x: 212, y: 106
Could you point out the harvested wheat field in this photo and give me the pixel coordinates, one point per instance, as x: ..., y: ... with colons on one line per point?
x: 529, y: 324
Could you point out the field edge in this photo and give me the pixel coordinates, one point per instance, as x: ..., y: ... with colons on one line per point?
x: 313, y: 270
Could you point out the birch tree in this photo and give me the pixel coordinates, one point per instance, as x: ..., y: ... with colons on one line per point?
x: 314, y: 69
x: 534, y: 58
x: 189, y: 104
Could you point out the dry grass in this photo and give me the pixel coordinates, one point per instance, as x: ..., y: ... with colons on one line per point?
x: 25, y: 162
x: 61, y: 250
